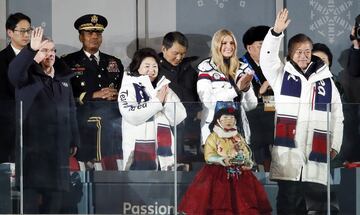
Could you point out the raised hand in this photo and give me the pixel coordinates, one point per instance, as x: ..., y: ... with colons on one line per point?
x: 281, y: 21
x: 36, y: 41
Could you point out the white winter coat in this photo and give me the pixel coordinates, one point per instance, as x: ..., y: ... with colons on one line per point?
x: 302, y: 124
x: 141, y: 119
x: 213, y: 86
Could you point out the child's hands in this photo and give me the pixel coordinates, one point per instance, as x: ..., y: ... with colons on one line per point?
x: 243, y: 167
x: 227, y: 161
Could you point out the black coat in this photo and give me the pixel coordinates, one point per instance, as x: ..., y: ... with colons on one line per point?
x: 7, y: 108
x: 49, y: 121
x: 351, y: 77
x: 183, y: 79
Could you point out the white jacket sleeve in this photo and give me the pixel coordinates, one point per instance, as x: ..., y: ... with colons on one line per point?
x: 133, y: 112
x: 174, y: 110
x: 205, y: 92
x: 270, y: 62
x: 249, y: 100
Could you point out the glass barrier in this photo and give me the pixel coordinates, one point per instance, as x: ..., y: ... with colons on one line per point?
x: 125, y: 163
x: 8, y: 193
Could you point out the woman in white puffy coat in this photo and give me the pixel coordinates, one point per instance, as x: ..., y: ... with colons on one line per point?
x: 223, y: 78
x: 149, y: 109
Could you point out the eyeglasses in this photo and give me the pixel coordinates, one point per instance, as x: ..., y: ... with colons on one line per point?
x: 306, y: 52
x: 46, y: 51
x: 23, y: 31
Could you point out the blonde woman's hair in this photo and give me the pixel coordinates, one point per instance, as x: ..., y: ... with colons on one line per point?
x: 217, y: 57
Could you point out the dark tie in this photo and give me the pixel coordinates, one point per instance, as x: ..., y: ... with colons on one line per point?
x: 93, y: 59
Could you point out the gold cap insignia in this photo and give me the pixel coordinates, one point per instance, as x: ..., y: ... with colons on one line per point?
x: 94, y: 19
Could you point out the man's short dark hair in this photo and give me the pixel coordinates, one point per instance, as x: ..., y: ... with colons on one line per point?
x: 175, y: 36
x: 14, y: 19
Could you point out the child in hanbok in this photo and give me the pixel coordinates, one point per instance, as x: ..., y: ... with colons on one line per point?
x: 226, y: 184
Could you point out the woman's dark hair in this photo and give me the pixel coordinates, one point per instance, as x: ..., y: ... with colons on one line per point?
x: 320, y: 47
x: 294, y: 41
x: 138, y: 57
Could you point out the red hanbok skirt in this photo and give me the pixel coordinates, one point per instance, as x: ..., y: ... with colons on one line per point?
x: 212, y: 192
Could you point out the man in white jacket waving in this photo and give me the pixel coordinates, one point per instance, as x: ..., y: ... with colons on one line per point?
x: 308, y: 115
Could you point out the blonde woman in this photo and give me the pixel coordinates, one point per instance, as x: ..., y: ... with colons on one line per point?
x: 223, y: 78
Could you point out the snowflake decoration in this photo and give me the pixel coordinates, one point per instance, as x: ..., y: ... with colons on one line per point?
x: 332, y: 19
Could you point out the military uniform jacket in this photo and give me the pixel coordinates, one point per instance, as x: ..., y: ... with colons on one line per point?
x: 89, y: 77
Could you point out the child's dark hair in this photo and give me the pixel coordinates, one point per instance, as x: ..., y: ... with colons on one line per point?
x: 224, y: 111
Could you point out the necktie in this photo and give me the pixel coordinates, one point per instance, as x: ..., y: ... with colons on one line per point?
x: 93, y: 59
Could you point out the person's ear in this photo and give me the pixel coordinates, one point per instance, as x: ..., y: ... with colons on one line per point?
x: 80, y: 37
x: 9, y: 33
x: 249, y: 48
x: 163, y: 49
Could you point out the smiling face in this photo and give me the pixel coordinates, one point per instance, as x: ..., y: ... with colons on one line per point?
x: 149, y: 67
x: 227, y: 47
x: 227, y: 121
x: 302, y: 55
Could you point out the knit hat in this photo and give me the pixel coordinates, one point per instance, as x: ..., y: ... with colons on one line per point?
x: 256, y: 33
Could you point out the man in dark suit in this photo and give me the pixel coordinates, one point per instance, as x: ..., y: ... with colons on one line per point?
x: 178, y: 69
x: 96, y: 84
x: 18, y: 29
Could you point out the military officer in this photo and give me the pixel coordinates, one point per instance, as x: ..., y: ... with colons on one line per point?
x: 96, y: 82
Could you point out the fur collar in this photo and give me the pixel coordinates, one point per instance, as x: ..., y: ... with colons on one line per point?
x: 224, y: 134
